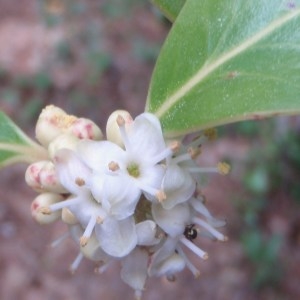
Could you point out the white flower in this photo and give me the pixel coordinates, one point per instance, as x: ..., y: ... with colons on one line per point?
x: 133, y: 170
x: 132, y: 198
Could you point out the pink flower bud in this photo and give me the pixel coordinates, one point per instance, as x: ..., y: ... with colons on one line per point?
x: 43, y: 201
x: 52, y: 122
x: 86, y: 129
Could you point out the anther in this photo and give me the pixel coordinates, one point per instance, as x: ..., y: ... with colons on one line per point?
x: 175, y: 146
x: 120, y: 120
x: 45, y: 210
x: 161, y: 196
x: 99, y: 220
x: 79, y: 181
x: 223, y: 168
x: 83, y: 241
x: 210, y: 133
x: 194, y: 152
x: 113, y: 166
x: 171, y: 278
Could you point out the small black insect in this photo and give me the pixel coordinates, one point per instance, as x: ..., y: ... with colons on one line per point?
x: 190, y: 232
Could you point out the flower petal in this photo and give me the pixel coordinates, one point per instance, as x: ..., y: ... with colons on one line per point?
x: 72, y: 172
x: 118, y: 194
x: 97, y: 155
x: 146, y: 136
x: 117, y: 238
x: 146, y: 231
x: 172, y: 221
x: 161, y: 260
x: 178, y: 185
x: 134, y: 269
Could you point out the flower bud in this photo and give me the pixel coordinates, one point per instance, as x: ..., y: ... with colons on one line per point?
x: 41, y: 176
x: 85, y: 129
x: 49, y: 179
x: 52, y: 122
x: 93, y: 251
x: 45, y: 200
x: 67, y: 217
x: 112, y: 128
x: 32, y: 175
x: 63, y: 141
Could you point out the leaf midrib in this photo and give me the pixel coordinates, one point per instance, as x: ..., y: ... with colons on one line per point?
x: 209, y: 68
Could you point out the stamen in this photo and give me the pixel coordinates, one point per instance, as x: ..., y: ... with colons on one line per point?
x: 88, y: 231
x: 44, y: 210
x: 161, y: 196
x: 79, y: 181
x: 165, y: 153
x: 65, y: 203
x: 158, y: 194
x: 59, y: 240
x: 182, y: 157
x: 219, y: 236
x: 210, y: 134
x: 201, y: 209
x: 102, y: 269
x: 203, y: 170
x: 194, y: 152
x: 223, y: 168
x: 113, y: 166
x: 121, y: 123
x: 189, y: 264
x: 171, y: 277
x: 75, y: 264
x: 137, y: 294
x: 175, y: 146
x: 99, y: 220
x: 194, y: 248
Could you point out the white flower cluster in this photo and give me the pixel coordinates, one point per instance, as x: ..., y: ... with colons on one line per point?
x: 133, y: 198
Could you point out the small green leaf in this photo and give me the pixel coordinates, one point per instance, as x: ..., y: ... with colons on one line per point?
x: 226, y: 61
x: 170, y: 8
x: 15, y: 146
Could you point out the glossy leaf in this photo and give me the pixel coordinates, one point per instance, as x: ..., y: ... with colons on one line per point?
x: 15, y: 146
x: 226, y: 61
x: 170, y: 8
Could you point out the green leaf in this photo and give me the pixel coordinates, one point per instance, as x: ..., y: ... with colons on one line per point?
x: 226, y: 61
x: 170, y: 8
x: 15, y: 146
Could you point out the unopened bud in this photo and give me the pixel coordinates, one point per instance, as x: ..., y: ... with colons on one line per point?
x: 86, y: 129
x: 52, y: 122
x: 42, y: 177
x: 93, y: 251
x: 32, y: 175
x: 45, y: 200
x: 67, y: 217
x: 63, y: 141
x: 112, y: 128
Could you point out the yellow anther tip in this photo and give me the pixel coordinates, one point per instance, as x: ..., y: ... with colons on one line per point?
x: 211, y: 133
x: 194, y: 152
x: 223, y: 168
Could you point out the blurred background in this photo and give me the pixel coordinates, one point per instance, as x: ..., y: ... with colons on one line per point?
x: 91, y: 57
